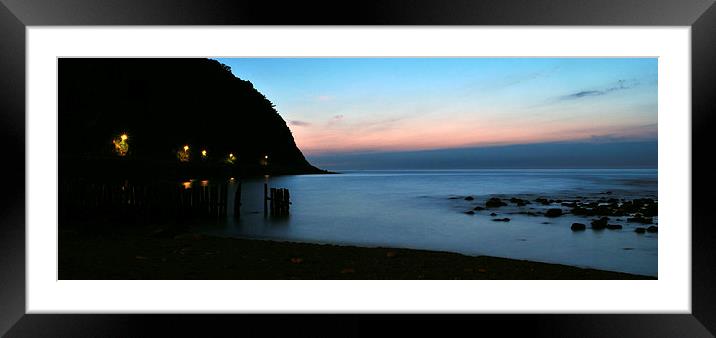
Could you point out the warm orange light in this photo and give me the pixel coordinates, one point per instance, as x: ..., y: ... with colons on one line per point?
x: 121, y: 146
x: 184, y: 156
x: 231, y: 159
x: 186, y: 185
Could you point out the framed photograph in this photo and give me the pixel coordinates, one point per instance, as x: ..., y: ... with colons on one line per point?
x: 502, y: 161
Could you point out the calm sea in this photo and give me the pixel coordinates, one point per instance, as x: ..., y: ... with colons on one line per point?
x: 414, y: 209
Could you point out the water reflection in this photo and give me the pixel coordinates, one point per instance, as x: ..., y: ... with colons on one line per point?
x: 413, y: 210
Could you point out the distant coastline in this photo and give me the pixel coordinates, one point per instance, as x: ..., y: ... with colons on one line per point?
x: 554, y: 155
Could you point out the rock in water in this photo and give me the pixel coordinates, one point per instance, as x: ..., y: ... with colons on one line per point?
x: 520, y: 202
x: 494, y: 202
x: 638, y: 218
x: 614, y: 226
x: 578, y: 227
x: 478, y: 208
x: 652, y: 229
x: 470, y: 212
x: 501, y: 219
x: 469, y: 198
x: 600, y: 224
x: 640, y: 230
x: 556, y: 212
x: 542, y: 201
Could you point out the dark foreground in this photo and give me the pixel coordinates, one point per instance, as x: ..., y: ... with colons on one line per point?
x: 162, y: 255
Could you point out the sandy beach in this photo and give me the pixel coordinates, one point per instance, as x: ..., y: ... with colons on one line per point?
x: 168, y: 255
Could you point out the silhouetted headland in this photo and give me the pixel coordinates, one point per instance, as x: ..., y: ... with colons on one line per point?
x: 167, y: 118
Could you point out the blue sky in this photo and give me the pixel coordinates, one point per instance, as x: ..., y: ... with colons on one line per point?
x: 353, y: 105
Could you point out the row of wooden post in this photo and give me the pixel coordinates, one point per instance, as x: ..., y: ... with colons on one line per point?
x: 280, y: 201
x: 204, y: 201
x: 120, y: 199
x: 125, y: 199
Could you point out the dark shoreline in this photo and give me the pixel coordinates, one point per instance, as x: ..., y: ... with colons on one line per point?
x: 165, y: 256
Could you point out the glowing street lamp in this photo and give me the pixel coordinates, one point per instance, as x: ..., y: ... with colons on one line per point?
x: 183, y: 156
x: 121, y: 146
x: 264, y: 161
x: 231, y: 159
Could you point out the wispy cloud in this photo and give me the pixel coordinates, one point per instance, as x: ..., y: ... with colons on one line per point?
x: 583, y: 94
x: 299, y: 123
x: 334, y: 120
x: 324, y: 97
x: 620, y: 85
x: 501, y: 83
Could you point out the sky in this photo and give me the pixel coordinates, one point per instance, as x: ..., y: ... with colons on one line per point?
x: 341, y: 106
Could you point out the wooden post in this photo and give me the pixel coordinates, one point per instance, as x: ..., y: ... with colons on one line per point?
x: 265, y: 195
x: 288, y: 201
x: 277, y: 207
x: 237, y: 201
x: 277, y: 211
x: 214, y: 201
x: 285, y: 202
x: 222, y: 199
x: 204, y: 211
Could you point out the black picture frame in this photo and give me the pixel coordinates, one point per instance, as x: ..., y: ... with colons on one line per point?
x: 16, y: 15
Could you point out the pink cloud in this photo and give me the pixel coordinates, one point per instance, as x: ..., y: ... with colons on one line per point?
x: 414, y: 134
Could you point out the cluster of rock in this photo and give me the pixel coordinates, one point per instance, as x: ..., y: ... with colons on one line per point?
x: 603, y: 223
x: 597, y: 224
x: 652, y: 229
x: 520, y: 202
x: 641, y: 210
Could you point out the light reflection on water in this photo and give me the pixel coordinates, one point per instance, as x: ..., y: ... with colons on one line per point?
x: 412, y: 209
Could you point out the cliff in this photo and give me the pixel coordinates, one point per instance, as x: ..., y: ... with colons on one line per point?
x: 161, y: 106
